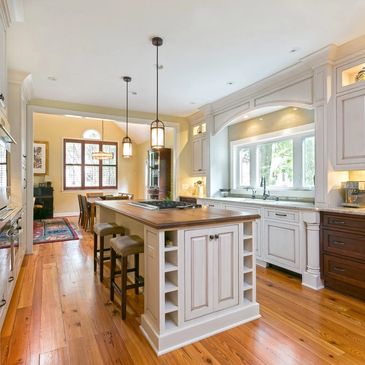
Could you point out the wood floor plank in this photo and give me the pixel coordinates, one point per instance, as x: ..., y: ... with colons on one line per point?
x: 61, y: 314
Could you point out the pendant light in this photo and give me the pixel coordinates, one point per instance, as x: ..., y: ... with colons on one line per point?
x: 157, y: 138
x: 101, y: 155
x: 126, y: 142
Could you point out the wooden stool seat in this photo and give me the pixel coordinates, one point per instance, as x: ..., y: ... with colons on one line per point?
x: 107, y: 229
x: 122, y: 247
x: 127, y: 245
x: 102, y: 230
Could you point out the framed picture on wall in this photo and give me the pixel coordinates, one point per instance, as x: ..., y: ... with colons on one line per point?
x: 40, y: 158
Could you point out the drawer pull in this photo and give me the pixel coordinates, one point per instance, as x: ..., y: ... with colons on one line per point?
x: 11, y: 278
x: 337, y: 222
x: 281, y: 214
x: 338, y: 269
x: 338, y: 243
x: 211, y: 237
x: 216, y: 236
x: 2, y: 303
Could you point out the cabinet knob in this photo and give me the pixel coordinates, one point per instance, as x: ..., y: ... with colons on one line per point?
x: 211, y: 237
x: 216, y: 236
x: 2, y: 97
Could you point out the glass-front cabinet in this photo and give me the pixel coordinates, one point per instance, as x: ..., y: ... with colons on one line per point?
x: 159, y: 173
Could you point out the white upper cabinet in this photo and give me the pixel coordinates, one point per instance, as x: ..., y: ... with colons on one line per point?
x: 350, y: 129
x: 3, y: 68
x: 199, y: 156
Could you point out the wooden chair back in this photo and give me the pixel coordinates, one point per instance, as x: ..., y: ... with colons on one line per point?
x: 79, y: 198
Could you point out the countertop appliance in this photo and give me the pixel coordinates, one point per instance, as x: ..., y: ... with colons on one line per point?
x: 163, y: 204
x: 354, y: 194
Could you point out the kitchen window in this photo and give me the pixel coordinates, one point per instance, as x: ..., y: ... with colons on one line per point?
x: 81, y: 171
x: 286, y: 159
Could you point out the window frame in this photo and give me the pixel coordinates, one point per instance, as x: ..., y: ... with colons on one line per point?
x: 84, y: 142
x: 297, y: 134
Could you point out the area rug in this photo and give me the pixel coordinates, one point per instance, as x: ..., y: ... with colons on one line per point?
x: 53, y: 230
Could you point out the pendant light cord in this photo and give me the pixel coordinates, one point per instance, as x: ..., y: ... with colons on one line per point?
x: 127, y: 111
x: 157, y: 83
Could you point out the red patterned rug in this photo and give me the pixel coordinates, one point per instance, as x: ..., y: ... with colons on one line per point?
x: 53, y: 230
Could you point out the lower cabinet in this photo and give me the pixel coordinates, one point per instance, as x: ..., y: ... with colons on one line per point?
x: 211, y: 270
x: 282, y: 244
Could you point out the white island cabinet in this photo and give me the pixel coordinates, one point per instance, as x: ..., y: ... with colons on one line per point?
x: 199, y: 270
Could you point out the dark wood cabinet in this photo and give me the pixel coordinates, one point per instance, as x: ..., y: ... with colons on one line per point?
x: 159, y: 173
x: 343, y: 253
x: 188, y: 199
x: 43, y: 204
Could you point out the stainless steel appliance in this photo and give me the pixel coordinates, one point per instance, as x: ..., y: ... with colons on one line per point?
x: 163, y: 204
x: 354, y: 194
x: 10, y: 246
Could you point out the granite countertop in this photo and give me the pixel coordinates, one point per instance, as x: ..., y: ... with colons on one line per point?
x: 173, y: 218
x: 268, y: 203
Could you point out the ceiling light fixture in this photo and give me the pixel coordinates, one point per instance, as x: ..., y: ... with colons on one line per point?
x: 126, y: 142
x: 101, y: 155
x: 157, y: 130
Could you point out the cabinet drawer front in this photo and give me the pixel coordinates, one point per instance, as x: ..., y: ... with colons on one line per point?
x: 342, y: 222
x: 282, y: 215
x: 343, y: 243
x: 344, y: 270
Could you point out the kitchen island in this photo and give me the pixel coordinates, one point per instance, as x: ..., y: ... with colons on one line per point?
x: 198, y: 266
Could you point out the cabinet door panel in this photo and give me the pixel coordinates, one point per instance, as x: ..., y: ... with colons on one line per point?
x: 198, y: 274
x: 204, y: 155
x: 282, y: 245
x: 351, y: 129
x: 225, y: 267
x: 197, y: 155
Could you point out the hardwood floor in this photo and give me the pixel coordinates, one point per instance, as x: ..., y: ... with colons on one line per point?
x: 60, y: 314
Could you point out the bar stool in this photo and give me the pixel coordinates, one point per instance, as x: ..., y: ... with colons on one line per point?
x: 121, y: 248
x: 102, y: 230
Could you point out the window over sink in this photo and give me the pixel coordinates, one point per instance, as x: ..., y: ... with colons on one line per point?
x: 81, y: 171
x: 285, y: 158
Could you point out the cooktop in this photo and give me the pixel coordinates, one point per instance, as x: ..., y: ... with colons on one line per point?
x: 163, y: 204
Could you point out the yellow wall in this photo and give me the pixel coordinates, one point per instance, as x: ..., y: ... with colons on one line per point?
x: 276, y: 121
x: 53, y: 128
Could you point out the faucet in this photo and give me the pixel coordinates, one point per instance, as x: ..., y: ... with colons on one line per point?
x: 253, y: 192
x: 266, y: 193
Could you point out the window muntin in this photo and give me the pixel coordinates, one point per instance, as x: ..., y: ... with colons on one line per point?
x: 291, y: 168
x: 81, y: 171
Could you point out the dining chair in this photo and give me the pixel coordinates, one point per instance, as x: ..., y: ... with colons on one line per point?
x: 86, y: 209
x: 81, y: 208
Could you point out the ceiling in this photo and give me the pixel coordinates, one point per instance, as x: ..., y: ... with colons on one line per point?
x: 87, y: 45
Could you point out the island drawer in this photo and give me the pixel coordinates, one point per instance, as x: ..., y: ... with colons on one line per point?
x: 282, y: 215
x: 343, y: 222
x: 344, y: 243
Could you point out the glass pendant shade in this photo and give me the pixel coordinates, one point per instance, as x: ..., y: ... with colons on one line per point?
x: 157, y: 134
x: 127, y: 147
x: 101, y: 155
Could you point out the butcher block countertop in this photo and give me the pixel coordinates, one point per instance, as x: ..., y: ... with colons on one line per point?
x: 173, y: 218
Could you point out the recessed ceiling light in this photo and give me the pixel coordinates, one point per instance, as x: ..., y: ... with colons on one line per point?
x: 294, y: 50
x: 295, y: 109
x: 245, y: 116
x: 261, y: 119
x: 52, y: 78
